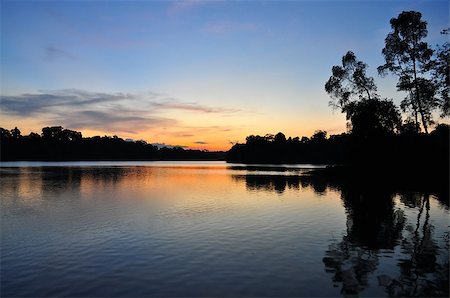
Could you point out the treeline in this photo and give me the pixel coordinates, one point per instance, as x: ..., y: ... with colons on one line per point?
x: 59, y: 144
x: 403, y: 150
x: 277, y: 149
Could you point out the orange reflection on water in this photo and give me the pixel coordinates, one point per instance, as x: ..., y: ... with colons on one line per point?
x: 21, y: 184
x: 182, y: 188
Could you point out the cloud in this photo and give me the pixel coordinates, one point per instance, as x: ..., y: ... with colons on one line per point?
x: 201, y: 143
x: 30, y: 103
x: 193, y: 131
x: 116, y: 122
x: 27, y: 104
x: 52, y: 53
x: 109, y: 112
x: 174, y: 104
x: 220, y: 28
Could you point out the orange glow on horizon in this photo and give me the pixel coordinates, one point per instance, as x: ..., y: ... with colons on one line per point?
x: 211, y: 141
x: 206, y: 132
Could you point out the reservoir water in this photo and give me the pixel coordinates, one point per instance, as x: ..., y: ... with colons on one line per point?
x: 180, y: 229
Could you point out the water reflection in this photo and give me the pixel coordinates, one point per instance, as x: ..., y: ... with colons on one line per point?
x: 421, y: 272
x: 38, y: 183
x: 139, y: 221
x: 377, y: 226
x: 279, y: 183
x: 373, y: 224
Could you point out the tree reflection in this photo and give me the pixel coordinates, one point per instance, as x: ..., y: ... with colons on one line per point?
x: 376, y: 225
x: 47, y: 183
x: 372, y: 224
x: 421, y: 274
x: 279, y: 183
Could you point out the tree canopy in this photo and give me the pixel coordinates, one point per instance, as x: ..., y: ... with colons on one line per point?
x: 441, y: 75
x: 408, y: 56
x: 354, y: 92
x: 349, y: 82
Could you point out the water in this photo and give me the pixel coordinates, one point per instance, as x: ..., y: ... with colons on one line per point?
x: 212, y: 229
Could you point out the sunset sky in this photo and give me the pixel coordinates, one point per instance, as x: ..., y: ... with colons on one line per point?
x: 200, y: 74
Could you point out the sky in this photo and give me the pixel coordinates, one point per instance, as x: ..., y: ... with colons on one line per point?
x: 201, y: 74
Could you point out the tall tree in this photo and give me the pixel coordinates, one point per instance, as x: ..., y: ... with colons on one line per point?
x: 441, y: 75
x: 407, y: 56
x: 355, y: 94
x: 349, y: 83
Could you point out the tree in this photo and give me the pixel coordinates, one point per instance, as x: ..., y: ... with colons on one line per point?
x: 15, y: 133
x: 279, y: 138
x: 34, y: 135
x: 440, y: 70
x: 349, y: 83
x: 355, y: 94
x: 319, y: 136
x: 70, y: 135
x: 51, y: 132
x: 373, y: 117
x: 428, y: 100
x: 4, y: 133
x: 407, y: 56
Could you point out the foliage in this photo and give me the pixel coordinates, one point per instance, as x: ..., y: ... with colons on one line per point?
x: 349, y: 83
x: 373, y: 117
x: 355, y: 93
x: 440, y: 69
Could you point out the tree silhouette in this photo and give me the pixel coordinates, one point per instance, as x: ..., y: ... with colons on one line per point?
x: 319, y: 136
x: 349, y: 83
x: 421, y: 273
x: 355, y: 94
x: 408, y: 56
x: 441, y: 75
x: 279, y: 138
x: 15, y: 133
x: 373, y: 117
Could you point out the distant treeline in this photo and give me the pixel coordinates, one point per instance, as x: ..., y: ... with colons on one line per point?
x: 406, y: 149
x: 59, y: 144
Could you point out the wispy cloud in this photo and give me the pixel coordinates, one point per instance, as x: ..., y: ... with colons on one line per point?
x: 201, y: 143
x: 195, y: 131
x: 52, y: 53
x: 129, y: 121
x: 224, y: 27
x: 108, y: 112
x: 192, y: 106
x: 27, y: 104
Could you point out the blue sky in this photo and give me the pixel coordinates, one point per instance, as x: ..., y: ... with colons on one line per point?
x: 190, y: 72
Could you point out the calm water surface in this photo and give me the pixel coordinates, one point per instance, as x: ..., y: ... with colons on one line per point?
x: 212, y: 229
